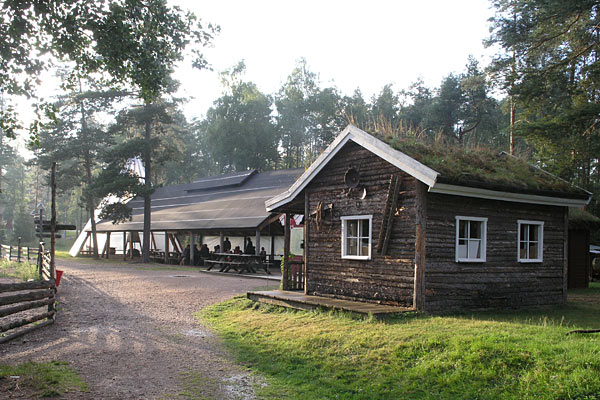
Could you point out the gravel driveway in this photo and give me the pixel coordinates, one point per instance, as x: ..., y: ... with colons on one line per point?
x: 131, y: 333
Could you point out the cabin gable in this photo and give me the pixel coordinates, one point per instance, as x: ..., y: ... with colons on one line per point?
x: 385, y: 279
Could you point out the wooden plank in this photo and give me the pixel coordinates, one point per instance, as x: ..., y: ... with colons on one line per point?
x: 13, y: 287
x: 25, y: 306
x: 386, y: 207
x: 18, y: 298
x: 285, y: 276
x: 420, y: 251
x: 26, y: 321
x: 390, y: 220
x: 15, y: 335
x: 306, y: 239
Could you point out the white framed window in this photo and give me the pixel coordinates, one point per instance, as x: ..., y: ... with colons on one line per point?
x: 356, y: 237
x: 531, y: 241
x: 471, y: 236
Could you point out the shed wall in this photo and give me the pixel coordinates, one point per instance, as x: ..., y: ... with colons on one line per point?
x: 384, y: 279
x: 501, y: 281
x: 579, y: 258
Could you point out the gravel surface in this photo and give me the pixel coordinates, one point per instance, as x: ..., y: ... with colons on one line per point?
x: 131, y: 333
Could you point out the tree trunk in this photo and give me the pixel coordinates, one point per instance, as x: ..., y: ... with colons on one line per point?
x: 91, y: 207
x: 147, y: 196
x: 88, y: 170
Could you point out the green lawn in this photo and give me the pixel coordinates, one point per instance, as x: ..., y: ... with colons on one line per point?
x: 50, y: 379
x: 23, y: 271
x: 500, y: 355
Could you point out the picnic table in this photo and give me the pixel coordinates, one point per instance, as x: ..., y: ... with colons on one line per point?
x: 239, y: 262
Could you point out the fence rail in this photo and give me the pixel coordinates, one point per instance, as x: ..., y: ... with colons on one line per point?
x: 18, y: 253
x: 26, y: 306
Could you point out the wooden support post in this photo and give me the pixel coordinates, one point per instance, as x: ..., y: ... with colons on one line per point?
x: 257, y: 242
x: 285, y: 275
x: 272, y: 247
x: 306, y: 239
x: 131, y: 245
x: 221, y: 242
x: 107, y: 245
x: 166, y: 247
x: 565, y: 253
x: 124, y: 245
x: 420, y: 241
x: 53, y: 226
x: 192, y: 244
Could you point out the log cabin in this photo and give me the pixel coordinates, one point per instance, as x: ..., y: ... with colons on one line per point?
x: 436, y: 228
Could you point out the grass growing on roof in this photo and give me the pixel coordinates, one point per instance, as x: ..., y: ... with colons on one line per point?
x: 508, y: 355
x: 49, y: 379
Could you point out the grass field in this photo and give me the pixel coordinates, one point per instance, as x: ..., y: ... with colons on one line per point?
x: 500, y: 355
x: 50, y: 379
x: 13, y: 269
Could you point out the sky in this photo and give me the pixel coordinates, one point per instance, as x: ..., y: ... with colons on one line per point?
x: 349, y: 44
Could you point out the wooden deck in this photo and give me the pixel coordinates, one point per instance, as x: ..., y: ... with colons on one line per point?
x: 300, y: 301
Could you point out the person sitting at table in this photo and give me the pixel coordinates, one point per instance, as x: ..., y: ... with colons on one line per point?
x: 237, y: 250
x: 226, y: 245
x: 197, y: 258
x: 204, y: 251
x: 249, y: 249
x: 185, y: 257
x: 217, y: 249
x: 263, y: 254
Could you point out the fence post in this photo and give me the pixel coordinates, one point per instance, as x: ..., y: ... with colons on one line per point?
x: 10, y: 253
x: 28, y: 253
x: 19, y: 249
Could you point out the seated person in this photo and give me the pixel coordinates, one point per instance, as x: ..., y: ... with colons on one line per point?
x: 197, y: 258
x: 204, y: 251
x: 217, y: 249
x: 237, y: 250
x: 263, y: 254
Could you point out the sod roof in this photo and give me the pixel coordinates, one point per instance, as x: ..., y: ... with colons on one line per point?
x: 484, y: 168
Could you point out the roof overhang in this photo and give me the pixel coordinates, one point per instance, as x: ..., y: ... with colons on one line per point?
x: 408, y: 164
x: 455, y: 190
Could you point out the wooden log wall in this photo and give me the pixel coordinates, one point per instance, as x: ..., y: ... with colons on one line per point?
x: 501, y: 281
x: 387, y: 279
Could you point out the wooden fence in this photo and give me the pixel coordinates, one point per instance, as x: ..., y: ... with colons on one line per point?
x: 20, y: 302
x: 18, y: 253
x: 293, y: 278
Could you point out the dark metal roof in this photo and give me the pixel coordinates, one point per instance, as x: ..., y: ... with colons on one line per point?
x: 213, y: 203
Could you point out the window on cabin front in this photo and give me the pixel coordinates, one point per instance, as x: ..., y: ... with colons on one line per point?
x: 531, y: 241
x: 356, y: 237
x: 470, y: 239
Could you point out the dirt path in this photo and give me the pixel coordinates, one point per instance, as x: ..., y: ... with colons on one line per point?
x: 131, y: 333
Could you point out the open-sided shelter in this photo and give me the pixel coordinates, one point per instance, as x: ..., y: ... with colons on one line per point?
x: 398, y: 222
x: 225, y: 205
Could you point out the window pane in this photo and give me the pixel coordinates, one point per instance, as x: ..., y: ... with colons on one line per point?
x: 364, y: 247
x: 523, y: 232
x: 474, y: 249
x: 533, y: 233
x: 475, y: 231
x: 462, y: 248
x: 462, y: 229
x: 364, y: 228
x: 352, y: 247
x: 533, y: 250
x: 522, y: 250
x: 352, y: 228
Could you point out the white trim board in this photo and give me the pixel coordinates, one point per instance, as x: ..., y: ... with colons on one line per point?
x: 456, y: 190
x: 408, y: 164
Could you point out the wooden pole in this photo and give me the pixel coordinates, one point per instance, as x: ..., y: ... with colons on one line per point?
x: 124, y: 245
x: 107, y: 244
x: 131, y: 245
x: 306, y: 240
x: 420, y: 240
x: 221, y: 242
x: 166, y: 247
x: 53, y: 223
x: 257, y: 242
x: 286, y: 254
x: 565, y: 253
